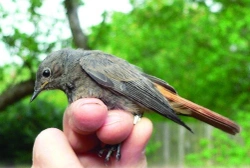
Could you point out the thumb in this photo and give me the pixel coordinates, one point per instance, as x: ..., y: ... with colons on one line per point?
x: 51, y: 149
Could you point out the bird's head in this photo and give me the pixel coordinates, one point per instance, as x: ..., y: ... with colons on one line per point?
x: 50, y: 72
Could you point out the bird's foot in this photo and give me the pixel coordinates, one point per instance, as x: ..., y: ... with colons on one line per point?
x: 109, y: 150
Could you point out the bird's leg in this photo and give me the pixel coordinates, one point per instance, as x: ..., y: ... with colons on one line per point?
x: 137, y: 118
x: 110, y: 149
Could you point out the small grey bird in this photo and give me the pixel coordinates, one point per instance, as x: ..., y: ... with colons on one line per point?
x: 120, y: 85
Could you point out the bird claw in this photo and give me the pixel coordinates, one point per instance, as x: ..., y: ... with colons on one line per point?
x: 110, y: 149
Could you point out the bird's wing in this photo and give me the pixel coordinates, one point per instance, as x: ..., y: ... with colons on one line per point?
x: 123, y: 78
x: 160, y: 82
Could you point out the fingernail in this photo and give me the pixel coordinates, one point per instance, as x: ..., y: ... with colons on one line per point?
x: 89, y: 102
x: 112, y: 118
x: 84, y: 104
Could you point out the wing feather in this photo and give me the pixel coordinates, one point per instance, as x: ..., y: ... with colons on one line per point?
x: 125, y: 79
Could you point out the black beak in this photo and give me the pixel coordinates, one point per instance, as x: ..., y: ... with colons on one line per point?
x: 35, y: 94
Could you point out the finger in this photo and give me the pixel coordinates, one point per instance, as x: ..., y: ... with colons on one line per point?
x: 133, y: 148
x: 81, y: 119
x: 85, y: 116
x: 51, y: 149
x: 116, y: 128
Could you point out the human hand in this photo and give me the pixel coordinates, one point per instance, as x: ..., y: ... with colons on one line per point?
x: 86, y: 124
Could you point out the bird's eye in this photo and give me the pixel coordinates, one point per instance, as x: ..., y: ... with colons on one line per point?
x: 46, y: 73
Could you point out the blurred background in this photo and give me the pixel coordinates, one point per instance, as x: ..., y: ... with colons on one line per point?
x: 201, y: 47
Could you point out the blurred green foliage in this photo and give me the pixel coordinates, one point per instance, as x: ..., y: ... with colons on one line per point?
x: 199, y: 47
x: 202, y: 51
x: 224, y: 152
x: 197, y: 51
x: 20, y: 124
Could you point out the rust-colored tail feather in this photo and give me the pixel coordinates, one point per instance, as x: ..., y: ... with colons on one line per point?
x: 185, y: 107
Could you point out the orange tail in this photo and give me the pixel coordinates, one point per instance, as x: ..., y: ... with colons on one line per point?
x: 185, y: 107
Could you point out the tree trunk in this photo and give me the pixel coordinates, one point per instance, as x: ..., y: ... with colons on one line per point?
x: 79, y: 38
x: 17, y: 92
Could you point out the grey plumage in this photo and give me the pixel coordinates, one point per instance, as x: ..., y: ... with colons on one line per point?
x: 119, y: 84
